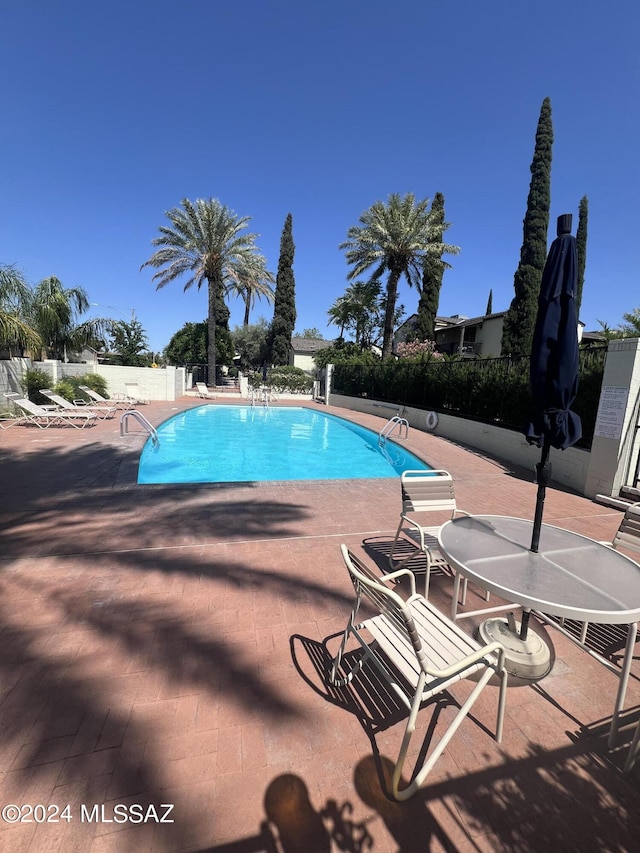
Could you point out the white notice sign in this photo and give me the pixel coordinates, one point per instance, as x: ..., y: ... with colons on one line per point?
x: 613, y: 404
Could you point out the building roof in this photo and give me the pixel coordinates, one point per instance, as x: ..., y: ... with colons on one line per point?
x: 309, y: 345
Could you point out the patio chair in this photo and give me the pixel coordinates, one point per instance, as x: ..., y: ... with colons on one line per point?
x: 132, y: 393
x: 628, y: 539
x: 425, y: 492
x: 420, y: 653
x: 203, y: 391
x: 101, y: 411
x: 44, y: 418
x: 99, y: 400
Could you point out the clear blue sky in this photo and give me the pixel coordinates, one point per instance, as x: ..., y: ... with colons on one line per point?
x: 114, y: 112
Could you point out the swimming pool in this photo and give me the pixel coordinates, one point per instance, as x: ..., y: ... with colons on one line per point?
x: 235, y: 444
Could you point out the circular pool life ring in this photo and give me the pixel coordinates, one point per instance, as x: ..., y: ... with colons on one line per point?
x: 432, y: 420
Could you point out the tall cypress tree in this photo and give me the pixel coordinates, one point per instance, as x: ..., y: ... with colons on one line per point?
x: 520, y: 319
x: 489, y: 304
x: 284, y: 306
x: 432, y: 274
x: 581, y: 247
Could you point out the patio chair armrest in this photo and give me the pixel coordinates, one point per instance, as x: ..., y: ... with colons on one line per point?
x: 414, y: 526
x: 474, y: 657
x: 462, y: 512
x: 402, y: 573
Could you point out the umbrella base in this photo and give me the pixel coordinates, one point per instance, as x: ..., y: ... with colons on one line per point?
x: 530, y: 658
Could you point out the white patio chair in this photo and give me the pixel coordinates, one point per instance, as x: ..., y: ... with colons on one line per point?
x: 100, y: 411
x: 425, y: 493
x: 627, y: 538
x: 203, y: 391
x: 420, y: 653
x: 133, y: 394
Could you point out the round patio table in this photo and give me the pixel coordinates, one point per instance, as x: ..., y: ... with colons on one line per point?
x: 571, y: 576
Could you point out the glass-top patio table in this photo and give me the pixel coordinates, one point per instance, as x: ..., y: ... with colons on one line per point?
x: 571, y: 577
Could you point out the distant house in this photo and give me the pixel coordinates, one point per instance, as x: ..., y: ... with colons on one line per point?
x: 303, y: 350
x: 477, y: 336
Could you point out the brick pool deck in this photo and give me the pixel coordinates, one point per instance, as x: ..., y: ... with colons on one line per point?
x: 163, y: 644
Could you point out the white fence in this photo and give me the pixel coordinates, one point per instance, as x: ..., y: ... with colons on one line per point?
x: 162, y: 383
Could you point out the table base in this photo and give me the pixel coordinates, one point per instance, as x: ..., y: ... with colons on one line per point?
x: 530, y: 658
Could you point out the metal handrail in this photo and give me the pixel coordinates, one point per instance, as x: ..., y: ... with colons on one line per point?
x: 390, y: 426
x: 124, y: 425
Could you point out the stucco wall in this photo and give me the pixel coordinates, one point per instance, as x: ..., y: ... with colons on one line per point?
x: 569, y: 467
x: 491, y: 336
x: 155, y: 383
x: 616, y: 446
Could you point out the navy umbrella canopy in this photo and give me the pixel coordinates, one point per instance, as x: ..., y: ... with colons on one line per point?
x: 554, y: 361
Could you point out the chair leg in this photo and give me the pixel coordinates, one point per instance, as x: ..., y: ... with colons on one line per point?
x: 633, y: 750
x: 393, y: 564
x: 333, y: 676
x: 583, y: 632
x: 416, y: 784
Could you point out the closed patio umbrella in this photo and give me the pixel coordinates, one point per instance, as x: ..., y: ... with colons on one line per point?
x: 554, y: 362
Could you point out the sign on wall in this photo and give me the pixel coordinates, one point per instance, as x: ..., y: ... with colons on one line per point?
x: 610, y: 417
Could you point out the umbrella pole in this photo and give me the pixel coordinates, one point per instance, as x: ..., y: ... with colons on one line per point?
x: 543, y: 473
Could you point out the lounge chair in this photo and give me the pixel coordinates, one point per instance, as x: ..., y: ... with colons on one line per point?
x: 419, y: 652
x: 132, y: 393
x: 425, y: 492
x: 9, y: 419
x: 43, y: 418
x: 99, y: 400
x: 203, y: 391
x: 101, y: 411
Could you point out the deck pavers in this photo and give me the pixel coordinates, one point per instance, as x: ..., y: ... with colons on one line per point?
x: 163, y: 645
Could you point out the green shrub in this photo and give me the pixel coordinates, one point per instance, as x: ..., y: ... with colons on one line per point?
x: 34, y: 380
x: 283, y: 380
x: 65, y: 388
x: 491, y: 390
x: 69, y: 387
x: 95, y: 382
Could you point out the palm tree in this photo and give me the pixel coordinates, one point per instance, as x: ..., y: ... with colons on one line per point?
x: 359, y: 310
x: 55, y: 311
x: 340, y: 314
x: 204, y: 241
x: 395, y: 237
x: 252, y: 281
x: 15, y: 298
x: 631, y: 329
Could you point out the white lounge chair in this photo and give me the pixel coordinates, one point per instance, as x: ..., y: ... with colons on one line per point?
x: 99, y: 400
x: 9, y: 419
x: 43, y: 418
x: 132, y: 393
x: 420, y: 653
x: 101, y: 411
x: 203, y: 391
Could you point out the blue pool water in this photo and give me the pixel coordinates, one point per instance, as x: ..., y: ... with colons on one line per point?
x: 233, y: 444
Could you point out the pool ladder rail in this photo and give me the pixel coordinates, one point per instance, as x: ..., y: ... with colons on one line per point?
x: 138, y: 416
x: 393, y: 424
x: 262, y: 396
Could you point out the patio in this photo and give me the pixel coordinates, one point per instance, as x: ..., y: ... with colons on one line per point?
x: 162, y: 645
